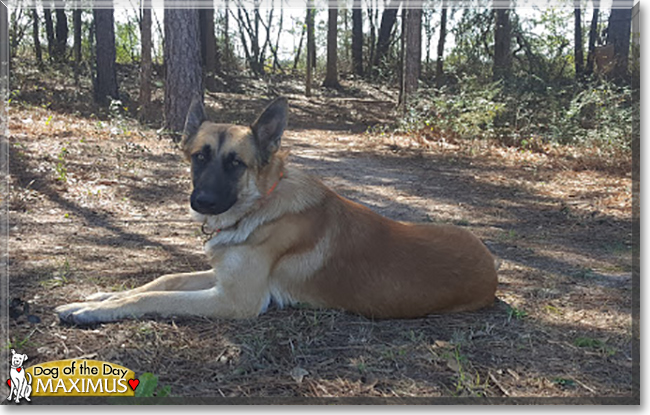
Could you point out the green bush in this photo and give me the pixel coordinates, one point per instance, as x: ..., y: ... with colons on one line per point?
x: 599, y: 113
x: 468, y: 112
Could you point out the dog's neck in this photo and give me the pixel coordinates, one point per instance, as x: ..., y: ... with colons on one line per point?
x: 212, y: 233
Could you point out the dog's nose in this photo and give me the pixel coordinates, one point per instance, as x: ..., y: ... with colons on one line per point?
x: 204, y: 202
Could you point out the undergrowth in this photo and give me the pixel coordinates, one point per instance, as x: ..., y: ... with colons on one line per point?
x: 597, y: 113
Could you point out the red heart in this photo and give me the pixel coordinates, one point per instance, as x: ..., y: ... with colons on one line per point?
x: 134, y: 383
x: 9, y: 382
x: 19, y: 369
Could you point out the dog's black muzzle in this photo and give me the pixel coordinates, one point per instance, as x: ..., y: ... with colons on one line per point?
x: 209, y: 203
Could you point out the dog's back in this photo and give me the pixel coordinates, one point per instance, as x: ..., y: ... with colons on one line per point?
x: 380, y: 268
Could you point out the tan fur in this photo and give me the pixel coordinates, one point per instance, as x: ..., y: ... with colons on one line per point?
x: 304, y: 243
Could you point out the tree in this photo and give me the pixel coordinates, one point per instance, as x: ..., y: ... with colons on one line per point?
x: 76, y: 17
x: 357, y: 37
x: 388, y: 19
x: 311, y: 45
x: 577, y: 32
x: 441, y: 46
x: 618, y: 34
x: 106, y: 81
x: 183, y: 80
x: 502, y: 39
x: 49, y: 30
x: 297, y: 58
x: 4, y: 69
x: 250, y: 27
x: 332, y: 75
x: 226, y: 31
x: 37, y: 41
x: 373, y: 16
x: 61, y: 35
x: 208, y: 41
x: 145, y: 61
x: 412, y: 52
x: 208, y: 47
x: 274, y: 49
x: 593, y: 34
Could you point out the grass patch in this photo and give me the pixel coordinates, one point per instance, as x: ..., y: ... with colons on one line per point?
x: 595, y: 344
x: 516, y: 313
x: 149, y: 387
x: 60, y: 278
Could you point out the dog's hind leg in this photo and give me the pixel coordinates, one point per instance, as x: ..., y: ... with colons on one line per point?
x: 191, y: 281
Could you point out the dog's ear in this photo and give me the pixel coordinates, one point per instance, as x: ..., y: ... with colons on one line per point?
x: 13, y: 351
x: 195, y: 117
x: 25, y: 357
x: 269, y: 126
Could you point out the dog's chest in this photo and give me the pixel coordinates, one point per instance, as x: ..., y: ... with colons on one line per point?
x: 16, y: 374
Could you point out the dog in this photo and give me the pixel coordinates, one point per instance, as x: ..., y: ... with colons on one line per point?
x: 279, y: 235
x: 20, y: 386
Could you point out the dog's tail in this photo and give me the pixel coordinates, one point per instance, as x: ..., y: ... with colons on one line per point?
x: 29, y: 382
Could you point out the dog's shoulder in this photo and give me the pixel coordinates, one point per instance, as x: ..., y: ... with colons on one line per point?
x: 296, y: 193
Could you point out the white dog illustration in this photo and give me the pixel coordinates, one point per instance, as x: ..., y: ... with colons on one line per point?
x: 19, y: 384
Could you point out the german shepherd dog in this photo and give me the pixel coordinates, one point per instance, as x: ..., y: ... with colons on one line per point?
x: 279, y: 235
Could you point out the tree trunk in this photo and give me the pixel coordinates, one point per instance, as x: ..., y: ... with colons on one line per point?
x: 313, y: 36
x: 226, y: 29
x: 145, y: 62
x: 357, y: 37
x: 276, y: 59
x: 77, y: 43
x: 502, y: 35
x: 208, y: 47
x: 37, y: 41
x: 49, y: 30
x: 372, y: 38
x: 208, y: 40
x: 440, y: 75
x: 593, y: 34
x: 106, y: 82
x: 91, y: 42
x: 428, y: 34
x: 5, y: 56
x: 297, y: 58
x: 579, y: 56
x: 311, y: 46
x: 618, y: 34
x: 332, y: 75
x: 388, y: 19
x: 61, y: 35
x: 412, y: 53
x: 183, y: 61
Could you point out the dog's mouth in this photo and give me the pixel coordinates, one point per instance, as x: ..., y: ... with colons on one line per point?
x: 211, y: 223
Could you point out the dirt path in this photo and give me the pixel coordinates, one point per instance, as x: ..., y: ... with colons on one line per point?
x: 110, y: 212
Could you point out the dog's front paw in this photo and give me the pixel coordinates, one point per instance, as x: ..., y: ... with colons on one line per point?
x: 82, y: 313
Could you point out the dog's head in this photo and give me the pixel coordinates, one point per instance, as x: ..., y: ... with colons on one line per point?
x: 232, y: 165
x: 17, y: 359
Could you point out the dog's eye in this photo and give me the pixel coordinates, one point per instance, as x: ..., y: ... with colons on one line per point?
x: 234, y: 162
x: 199, y: 157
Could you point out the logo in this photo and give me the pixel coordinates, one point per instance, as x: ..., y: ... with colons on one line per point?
x: 19, y: 380
x: 72, y: 377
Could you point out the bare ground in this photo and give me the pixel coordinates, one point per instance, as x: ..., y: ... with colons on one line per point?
x: 99, y: 203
